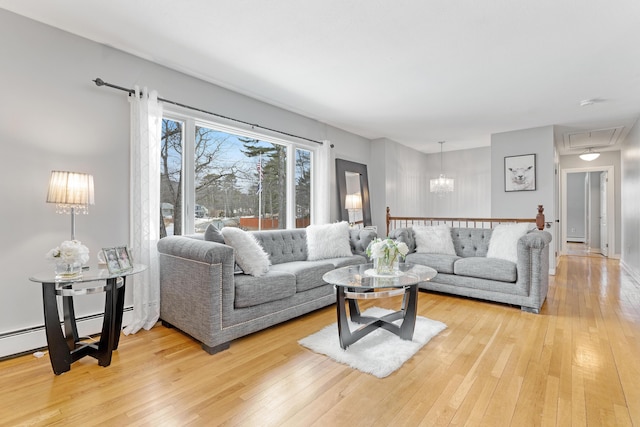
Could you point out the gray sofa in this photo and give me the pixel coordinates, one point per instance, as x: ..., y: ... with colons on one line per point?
x: 202, y: 295
x: 471, y: 274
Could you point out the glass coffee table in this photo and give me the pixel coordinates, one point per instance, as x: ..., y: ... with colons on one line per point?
x: 360, y: 282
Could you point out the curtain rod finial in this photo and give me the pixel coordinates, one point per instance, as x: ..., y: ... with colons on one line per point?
x: 98, y: 81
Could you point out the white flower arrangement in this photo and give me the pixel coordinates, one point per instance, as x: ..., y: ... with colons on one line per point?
x: 387, y: 250
x: 69, y: 252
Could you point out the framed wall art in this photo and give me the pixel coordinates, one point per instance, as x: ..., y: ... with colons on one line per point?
x: 520, y: 173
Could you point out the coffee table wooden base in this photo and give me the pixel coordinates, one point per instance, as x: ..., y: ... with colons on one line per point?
x: 369, y: 324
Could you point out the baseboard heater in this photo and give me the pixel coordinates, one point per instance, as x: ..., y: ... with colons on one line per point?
x: 25, y: 341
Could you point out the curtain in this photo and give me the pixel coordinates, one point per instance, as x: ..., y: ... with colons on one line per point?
x: 146, y: 128
x: 322, y: 199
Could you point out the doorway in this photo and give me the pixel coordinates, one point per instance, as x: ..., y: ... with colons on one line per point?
x: 588, y: 211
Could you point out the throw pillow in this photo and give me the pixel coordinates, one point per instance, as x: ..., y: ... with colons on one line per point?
x: 504, y: 241
x: 212, y: 234
x: 249, y: 254
x: 328, y: 241
x: 434, y: 239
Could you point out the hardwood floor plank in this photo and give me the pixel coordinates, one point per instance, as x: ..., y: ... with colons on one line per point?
x: 575, y: 363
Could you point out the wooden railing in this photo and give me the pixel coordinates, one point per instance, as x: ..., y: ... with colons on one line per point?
x: 394, y: 222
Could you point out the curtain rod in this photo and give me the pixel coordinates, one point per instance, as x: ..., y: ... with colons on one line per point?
x: 99, y: 82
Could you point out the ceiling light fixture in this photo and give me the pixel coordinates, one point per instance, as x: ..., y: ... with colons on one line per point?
x: 442, y: 184
x: 589, y: 155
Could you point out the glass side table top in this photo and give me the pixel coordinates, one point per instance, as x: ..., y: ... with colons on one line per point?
x: 363, y: 276
x: 91, y: 274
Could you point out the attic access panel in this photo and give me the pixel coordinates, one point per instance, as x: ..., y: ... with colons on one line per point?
x: 592, y: 139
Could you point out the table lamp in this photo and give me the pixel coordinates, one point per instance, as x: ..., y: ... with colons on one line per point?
x: 72, y: 192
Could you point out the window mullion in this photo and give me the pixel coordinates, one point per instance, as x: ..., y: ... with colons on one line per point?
x: 188, y: 177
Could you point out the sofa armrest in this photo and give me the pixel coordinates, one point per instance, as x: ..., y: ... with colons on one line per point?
x: 533, y: 265
x: 196, y: 281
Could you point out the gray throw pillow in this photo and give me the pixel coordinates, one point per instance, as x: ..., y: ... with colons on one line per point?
x: 212, y: 234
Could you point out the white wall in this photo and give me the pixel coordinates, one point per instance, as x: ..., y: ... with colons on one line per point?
x: 630, y: 195
x: 402, y: 179
x: 53, y: 117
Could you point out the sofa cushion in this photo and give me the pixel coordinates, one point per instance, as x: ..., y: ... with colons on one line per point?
x: 249, y: 255
x: 504, y: 241
x: 441, y: 263
x: 212, y: 234
x: 486, y: 268
x: 308, y: 273
x: 273, y: 285
x: 328, y: 241
x: 434, y: 239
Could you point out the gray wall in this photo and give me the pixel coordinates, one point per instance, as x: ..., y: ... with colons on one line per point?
x: 53, y: 117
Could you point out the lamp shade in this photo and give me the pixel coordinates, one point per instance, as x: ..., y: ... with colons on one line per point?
x: 353, y: 201
x: 70, y: 190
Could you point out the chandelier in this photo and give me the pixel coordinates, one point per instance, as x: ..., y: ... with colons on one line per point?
x: 441, y: 185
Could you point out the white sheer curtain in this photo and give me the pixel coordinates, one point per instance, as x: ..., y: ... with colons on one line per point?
x: 322, y: 181
x: 146, y: 128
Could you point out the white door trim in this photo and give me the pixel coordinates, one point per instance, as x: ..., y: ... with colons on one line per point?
x: 610, y: 204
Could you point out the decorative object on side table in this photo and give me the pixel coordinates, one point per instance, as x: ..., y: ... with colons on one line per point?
x: 118, y: 259
x: 386, y: 253
x: 72, y: 192
x: 69, y: 258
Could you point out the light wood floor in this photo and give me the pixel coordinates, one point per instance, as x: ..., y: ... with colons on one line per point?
x: 575, y: 364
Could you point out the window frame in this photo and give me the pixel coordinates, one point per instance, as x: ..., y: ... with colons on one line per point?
x: 191, y: 120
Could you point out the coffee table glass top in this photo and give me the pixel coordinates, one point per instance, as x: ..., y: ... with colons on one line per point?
x: 363, y: 276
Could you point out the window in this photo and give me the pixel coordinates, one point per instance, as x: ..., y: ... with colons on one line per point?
x: 211, y: 174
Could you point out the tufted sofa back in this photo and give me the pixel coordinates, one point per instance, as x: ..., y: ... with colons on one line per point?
x: 291, y: 245
x: 468, y: 242
x: 283, y: 245
x: 471, y: 241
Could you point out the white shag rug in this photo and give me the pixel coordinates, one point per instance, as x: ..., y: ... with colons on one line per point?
x: 381, y: 352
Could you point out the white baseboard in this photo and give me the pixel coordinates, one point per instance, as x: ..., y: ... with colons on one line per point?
x: 27, y: 340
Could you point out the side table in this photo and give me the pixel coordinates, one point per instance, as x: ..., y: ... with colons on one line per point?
x: 66, y: 348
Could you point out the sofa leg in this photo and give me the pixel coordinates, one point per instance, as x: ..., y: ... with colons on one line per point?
x: 166, y: 324
x: 216, y: 348
x: 530, y: 310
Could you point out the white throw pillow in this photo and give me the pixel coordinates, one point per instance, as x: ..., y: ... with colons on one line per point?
x: 250, y: 256
x: 434, y: 239
x: 504, y: 241
x: 328, y: 241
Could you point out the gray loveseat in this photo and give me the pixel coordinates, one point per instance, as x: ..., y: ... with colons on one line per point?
x: 201, y: 294
x: 470, y: 273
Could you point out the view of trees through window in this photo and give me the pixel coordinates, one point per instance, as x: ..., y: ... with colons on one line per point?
x: 238, y: 181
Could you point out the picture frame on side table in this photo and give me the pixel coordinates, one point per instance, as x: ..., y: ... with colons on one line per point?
x: 118, y: 259
x: 124, y: 258
x: 520, y: 173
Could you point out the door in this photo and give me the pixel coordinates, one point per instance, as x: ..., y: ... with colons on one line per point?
x: 604, y: 233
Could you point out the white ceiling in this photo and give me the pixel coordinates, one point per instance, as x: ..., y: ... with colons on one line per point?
x: 414, y: 71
